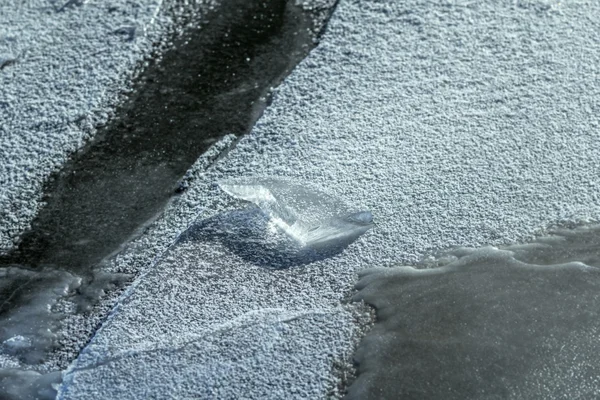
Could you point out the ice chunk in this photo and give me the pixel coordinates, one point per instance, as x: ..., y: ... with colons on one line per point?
x: 311, y: 218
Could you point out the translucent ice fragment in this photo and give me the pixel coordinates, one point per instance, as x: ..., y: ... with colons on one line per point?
x: 310, y: 217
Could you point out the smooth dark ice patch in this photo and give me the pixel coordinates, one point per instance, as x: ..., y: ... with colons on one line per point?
x: 565, y: 245
x: 32, y: 329
x: 28, y: 385
x: 487, y: 325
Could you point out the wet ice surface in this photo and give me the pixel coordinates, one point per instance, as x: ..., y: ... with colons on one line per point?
x: 33, y: 307
x: 519, y: 322
x: 314, y: 222
x: 28, y: 385
x: 27, y: 333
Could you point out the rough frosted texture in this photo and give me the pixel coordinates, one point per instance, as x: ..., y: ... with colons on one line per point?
x: 309, y: 217
x: 456, y: 123
x: 62, y: 64
x: 216, y: 328
x: 514, y: 323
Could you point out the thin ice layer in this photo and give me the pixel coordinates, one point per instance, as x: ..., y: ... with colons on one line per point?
x: 29, y: 331
x: 311, y: 218
x: 28, y: 385
x: 486, y: 325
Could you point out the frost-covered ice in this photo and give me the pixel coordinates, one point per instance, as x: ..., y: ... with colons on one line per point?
x: 62, y: 69
x: 224, y: 338
x: 456, y: 123
x: 310, y: 217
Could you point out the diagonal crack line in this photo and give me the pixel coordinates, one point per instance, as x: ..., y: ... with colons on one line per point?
x: 224, y: 327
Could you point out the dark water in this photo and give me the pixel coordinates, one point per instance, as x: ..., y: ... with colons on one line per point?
x: 521, y: 322
x: 214, y: 80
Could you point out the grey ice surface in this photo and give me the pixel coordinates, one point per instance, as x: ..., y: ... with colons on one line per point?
x: 28, y: 334
x: 223, y: 340
x: 17, y: 384
x: 62, y: 66
x: 456, y: 123
x: 513, y: 323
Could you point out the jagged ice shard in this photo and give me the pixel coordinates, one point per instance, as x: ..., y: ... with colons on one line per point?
x: 311, y: 218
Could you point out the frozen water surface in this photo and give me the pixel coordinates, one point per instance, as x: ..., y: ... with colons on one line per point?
x: 28, y: 332
x: 28, y: 385
x: 308, y: 216
x: 520, y: 322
